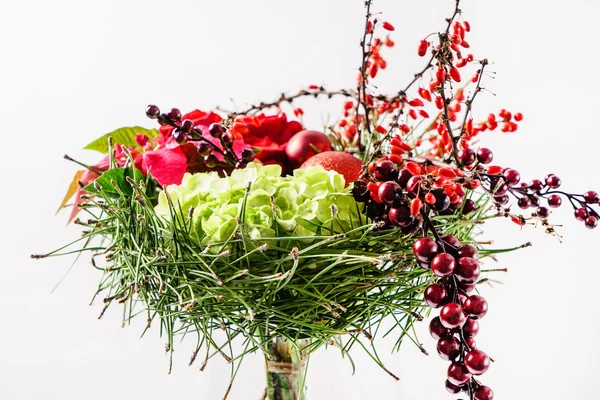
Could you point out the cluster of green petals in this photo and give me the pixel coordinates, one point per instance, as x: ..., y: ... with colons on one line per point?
x: 311, y: 202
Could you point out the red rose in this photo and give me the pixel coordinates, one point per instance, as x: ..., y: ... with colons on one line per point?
x: 270, y: 135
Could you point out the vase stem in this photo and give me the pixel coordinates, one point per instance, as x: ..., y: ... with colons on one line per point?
x: 286, y: 370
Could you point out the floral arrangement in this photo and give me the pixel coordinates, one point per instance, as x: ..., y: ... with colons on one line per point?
x: 288, y: 239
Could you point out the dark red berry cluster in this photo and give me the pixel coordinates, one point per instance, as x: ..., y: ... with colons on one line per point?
x: 210, y: 154
x: 403, y: 194
x: 541, y: 196
x: 457, y: 270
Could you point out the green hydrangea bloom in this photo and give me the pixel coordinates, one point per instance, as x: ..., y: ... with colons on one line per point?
x: 311, y: 202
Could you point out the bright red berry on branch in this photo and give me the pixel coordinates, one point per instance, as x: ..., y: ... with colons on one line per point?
x: 388, y: 27
x: 422, y: 49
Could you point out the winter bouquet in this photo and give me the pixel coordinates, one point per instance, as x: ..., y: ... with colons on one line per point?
x: 283, y: 238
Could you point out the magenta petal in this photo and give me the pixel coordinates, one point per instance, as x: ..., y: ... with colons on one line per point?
x: 167, y: 166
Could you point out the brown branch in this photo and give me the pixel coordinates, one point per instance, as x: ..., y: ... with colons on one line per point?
x: 321, y: 91
x: 362, y: 87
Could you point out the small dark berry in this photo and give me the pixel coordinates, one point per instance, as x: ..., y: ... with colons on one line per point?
x: 187, y: 125
x: 554, y: 201
x: 204, y: 148
x: 591, y: 197
x: 174, y: 114
x: 485, y: 156
x: 581, y: 214
x: 524, y: 203
x: 248, y: 155
x: 553, y: 181
x: 477, y: 362
x: 591, y: 222
x: 178, y: 135
x: 152, y: 111
x: 216, y: 130
x: 536, y: 185
x: 385, y: 170
x: 543, y: 212
x: 466, y: 156
x: 210, y: 161
x: 512, y: 176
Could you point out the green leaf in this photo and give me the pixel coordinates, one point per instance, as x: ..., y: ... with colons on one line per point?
x: 124, y: 136
x: 113, y: 182
x: 72, y: 190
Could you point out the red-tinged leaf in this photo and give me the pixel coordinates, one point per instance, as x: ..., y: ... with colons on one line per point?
x: 73, y: 187
x: 167, y: 166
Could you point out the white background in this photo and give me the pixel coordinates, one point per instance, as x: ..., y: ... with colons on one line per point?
x: 73, y: 70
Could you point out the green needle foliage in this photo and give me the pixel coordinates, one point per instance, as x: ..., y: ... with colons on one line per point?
x: 334, y: 289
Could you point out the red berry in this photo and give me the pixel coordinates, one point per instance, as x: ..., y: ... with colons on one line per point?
x: 591, y: 222
x: 554, y: 201
x: 413, y: 185
x: 452, y: 316
x: 152, y: 111
x: 468, y: 250
x: 458, y: 374
x: 443, y: 265
x: 174, y: 114
x: 187, y: 125
x: 440, y: 74
x: 483, y: 392
x: 436, y: 329
x: 466, y: 156
x: 422, y: 49
x: 542, y: 212
x: 451, y: 240
x: 581, y: 214
x: 425, y: 249
x: 536, y: 185
x: 452, y: 388
x: 454, y: 74
x: 512, y: 176
x: 467, y: 270
x: 448, y: 347
x: 591, y: 197
x: 390, y: 193
x: 435, y: 295
x: 400, y: 216
x: 388, y: 27
x: 477, y: 362
x: 466, y: 287
x: 524, y: 203
x: 476, y: 306
x: 403, y: 176
x: 470, y: 328
x: 471, y: 343
x: 553, y: 181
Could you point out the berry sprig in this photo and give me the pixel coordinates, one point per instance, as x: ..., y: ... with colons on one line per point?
x: 185, y: 131
x: 457, y: 270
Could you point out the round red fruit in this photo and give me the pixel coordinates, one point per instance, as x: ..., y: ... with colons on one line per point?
x: 443, y: 265
x: 435, y: 295
x: 343, y: 163
x: 458, y: 374
x: 305, y: 144
x: 425, y: 249
x: 452, y: 316
x: 477, y: 362
x: 476, y: 306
